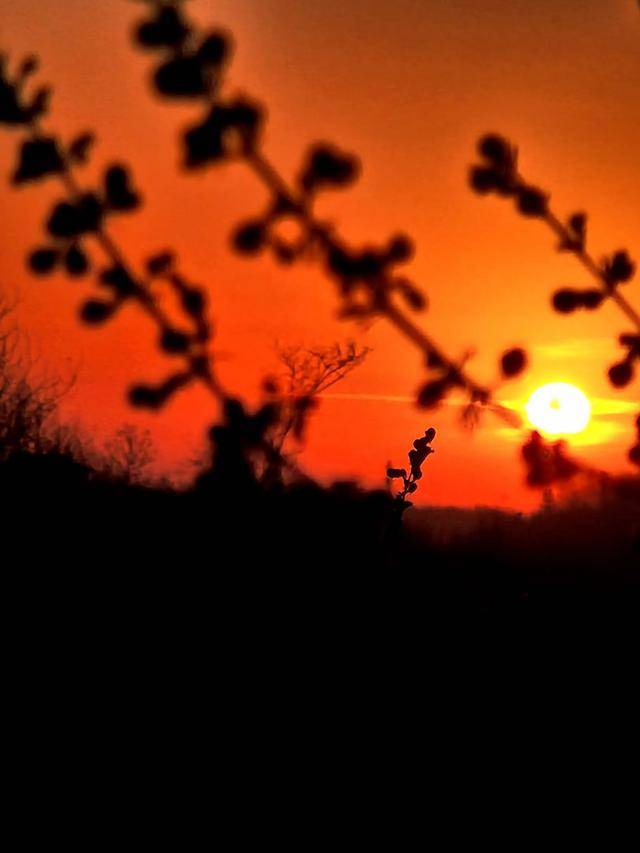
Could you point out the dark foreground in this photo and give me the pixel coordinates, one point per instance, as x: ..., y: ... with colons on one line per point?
x: 162, y: 645
x: 96, y: 547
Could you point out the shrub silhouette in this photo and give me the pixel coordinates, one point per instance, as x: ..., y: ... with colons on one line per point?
x: 418, y: 455
x: 28, y: 398
x: 128, y: 453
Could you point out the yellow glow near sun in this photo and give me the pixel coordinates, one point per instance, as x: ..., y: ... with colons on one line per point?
x: 558, y: 408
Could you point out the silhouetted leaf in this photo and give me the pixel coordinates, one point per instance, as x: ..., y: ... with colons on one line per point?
x: 618, y: 269
x: 250, y: 237
x: 396, y: 473
x: 483, y: 179
x: 173, y: 341
x: 75, y: 261
x: 167, y: 29
x: 38, y: 157
x: 531, y: 201
x: 70, y: 219
x: 497, y: 150
x: 64, y: 221
x: 39, y: 103
x: 513, y: 362
x: 11, y: 110
x: 160, y: 264
x: 43, y: 261
x: 632, y: 342
x: 577, y: 232
x: 155, y: 396
x: 592, y: 298
x: 119, y: 279
x: 228, y: 130
x: 215, y: 49
x: 414, y: 297
x: 28, y: 66
x: 94, y: 312
x: 566, y: 300
x: 144, y: 397
x: 284, y: 253
x: 119, y: 193
x: 79, y: 148
x: 621, y: 374
x: 327, y: 166
x: 193, y: 301
x: 400, y: 249
x: 181, y: 77
x: 432, y: 393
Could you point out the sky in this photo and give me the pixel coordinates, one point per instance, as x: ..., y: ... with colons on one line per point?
x: 409, y: 86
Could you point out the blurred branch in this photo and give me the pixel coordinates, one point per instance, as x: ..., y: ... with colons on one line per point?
x: 192, y: 66
x: 498, y: 174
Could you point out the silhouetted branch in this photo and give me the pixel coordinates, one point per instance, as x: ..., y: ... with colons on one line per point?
x: 84, y: 213
x: 308, y: 373
x: 192, y: 67
x: 418, y: 455
x: 498, y: 173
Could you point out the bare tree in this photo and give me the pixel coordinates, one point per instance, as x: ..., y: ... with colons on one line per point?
x: 306, y: 373
x: 128, y: 453
x: 28, y: 402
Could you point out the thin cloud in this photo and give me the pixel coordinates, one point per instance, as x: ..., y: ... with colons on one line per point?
x: 600, y: 406
x: 574, y: 348
x: 609, y: 406
x: 381, y: 398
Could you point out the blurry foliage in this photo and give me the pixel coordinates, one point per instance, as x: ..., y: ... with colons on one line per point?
x: 78, y: 224
x: 498, y: 173
x: 192, y: 64
x: 547, y: 462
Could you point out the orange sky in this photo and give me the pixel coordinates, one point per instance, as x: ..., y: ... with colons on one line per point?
x: 409, y: 86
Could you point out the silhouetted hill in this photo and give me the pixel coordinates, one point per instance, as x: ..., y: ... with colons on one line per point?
x: 311, y: 544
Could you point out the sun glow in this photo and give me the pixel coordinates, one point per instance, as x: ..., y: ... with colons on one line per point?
x: 558, y: 409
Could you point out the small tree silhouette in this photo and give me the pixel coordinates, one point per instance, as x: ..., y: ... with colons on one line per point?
x: 307, y: 374
x: 28, y: 402
x: 418, y: 455
x: 128, y: 453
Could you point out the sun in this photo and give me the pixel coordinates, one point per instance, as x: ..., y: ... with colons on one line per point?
x: 559, y: 408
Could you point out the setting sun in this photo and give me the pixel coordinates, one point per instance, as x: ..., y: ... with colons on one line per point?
x: 559, y: 408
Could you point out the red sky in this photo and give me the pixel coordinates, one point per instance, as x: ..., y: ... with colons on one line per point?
x: 409, y: 86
